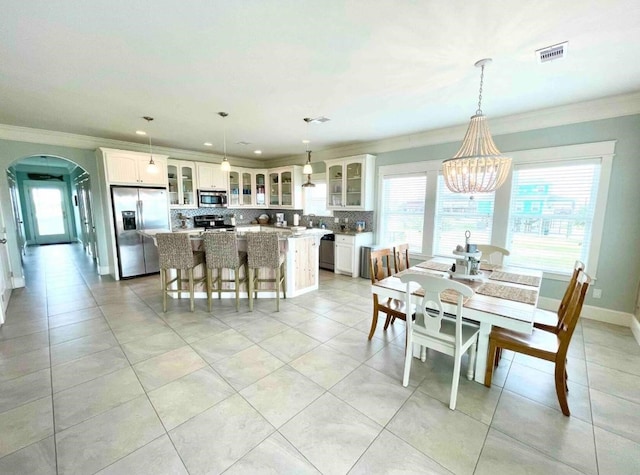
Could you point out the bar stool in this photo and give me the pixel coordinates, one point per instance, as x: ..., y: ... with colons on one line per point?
x: 263, y: 251
x: 221, y: 251
x: 175, y: 252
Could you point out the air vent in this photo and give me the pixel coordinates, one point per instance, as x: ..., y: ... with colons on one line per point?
x: 551, y: 53
x: 316, y: 120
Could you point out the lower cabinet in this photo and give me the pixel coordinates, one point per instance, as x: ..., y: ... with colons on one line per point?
x: 347, y: 252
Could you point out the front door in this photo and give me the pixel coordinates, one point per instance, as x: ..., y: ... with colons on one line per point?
x: 48, y: 212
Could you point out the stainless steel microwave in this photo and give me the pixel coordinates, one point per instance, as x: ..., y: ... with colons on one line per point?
x: 212, y: 198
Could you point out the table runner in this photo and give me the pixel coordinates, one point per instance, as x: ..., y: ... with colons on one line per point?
x: 510, y: 293
x: 515, y: 278
x: 439, y: 266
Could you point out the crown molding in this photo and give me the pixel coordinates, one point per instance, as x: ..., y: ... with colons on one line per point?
x: 587, y: 111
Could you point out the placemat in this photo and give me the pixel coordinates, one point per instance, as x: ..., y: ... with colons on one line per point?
x: 487, y: 266
x: 509, y: 293
x: 515, y: 278
x: 413, y: 270
x: 439, y: 266
x: 449, y: 296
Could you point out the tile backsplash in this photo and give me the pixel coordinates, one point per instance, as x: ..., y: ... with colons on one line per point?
x: 249, y: 215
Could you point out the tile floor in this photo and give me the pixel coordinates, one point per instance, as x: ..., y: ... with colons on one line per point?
x: 95, y: 378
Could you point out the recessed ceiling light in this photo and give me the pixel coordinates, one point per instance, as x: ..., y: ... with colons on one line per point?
x: 208, y: 144
x: 306, y: 141
x: 141, y: 132
x: 258, y: 152
x: 316, y: 120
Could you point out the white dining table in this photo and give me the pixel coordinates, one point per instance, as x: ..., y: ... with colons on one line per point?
x: 487, y: 310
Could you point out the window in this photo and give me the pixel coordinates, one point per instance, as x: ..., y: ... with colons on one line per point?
x: 457, y: 213
x: 552, y: 213
x: 315, y: 198
x: 402, y: 210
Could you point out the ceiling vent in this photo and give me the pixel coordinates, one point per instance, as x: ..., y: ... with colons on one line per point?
x: 551, y: 53
x: 316, y: 120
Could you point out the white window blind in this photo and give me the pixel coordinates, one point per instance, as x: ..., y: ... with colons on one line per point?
x: 457, y: 213
x: 315, y: 198
x: 551, y: 214
x: 402, y: 210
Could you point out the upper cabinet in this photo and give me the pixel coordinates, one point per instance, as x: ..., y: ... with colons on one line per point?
x: 131, y: 168
x: 182, y: 184
x: 210, y: 177
x: 285, y: 187
x: 247, y: 188
x: 350, y: 183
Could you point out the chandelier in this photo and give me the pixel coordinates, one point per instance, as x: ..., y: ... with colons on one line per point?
x: 478, y: 167
x: 225, y: 166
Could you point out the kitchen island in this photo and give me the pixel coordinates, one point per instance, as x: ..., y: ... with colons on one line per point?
x: 300, y: 247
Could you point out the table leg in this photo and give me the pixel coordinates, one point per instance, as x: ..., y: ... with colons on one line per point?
x: 483, y: 347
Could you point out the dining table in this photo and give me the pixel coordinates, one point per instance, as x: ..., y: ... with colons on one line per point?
x: 503, y: 296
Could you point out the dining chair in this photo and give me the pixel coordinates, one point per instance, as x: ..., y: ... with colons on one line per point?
x: 492, y: 254
x: 380, y: 268
x: 551, y: 321
x: 263, y: 250
x: 175, y: 252
x: 401, y: 257
x: 543, y: 344
x: 432, y: 330
x: 221, y: 252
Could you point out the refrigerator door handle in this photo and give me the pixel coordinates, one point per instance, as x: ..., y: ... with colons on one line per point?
x: 140, y: 224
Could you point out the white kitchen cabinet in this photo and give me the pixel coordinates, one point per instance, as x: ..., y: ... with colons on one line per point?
x: 182, y: 184
x: 130, y: 168
x: 350, y: 183
x: 210, y: 177
x: 247, y: 188
x: 285, y: 187
x: 347, y: 252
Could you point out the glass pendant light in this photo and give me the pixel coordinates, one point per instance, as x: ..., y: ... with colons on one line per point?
x: 225, y: 166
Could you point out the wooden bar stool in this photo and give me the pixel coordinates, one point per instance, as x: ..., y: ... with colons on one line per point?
x: 263, y: 251
x: 221, y: 250
x: 175, y: 252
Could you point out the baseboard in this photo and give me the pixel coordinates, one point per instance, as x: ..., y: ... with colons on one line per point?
x: 18, y: 282
x: 592, y: 313
x: 104, y: 270
x: 635, y: 328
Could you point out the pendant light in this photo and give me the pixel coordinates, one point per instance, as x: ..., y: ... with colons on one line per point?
x: 478, y: 167
x: 307, y: 169
x: 225, y: 166
x: 151, y: 166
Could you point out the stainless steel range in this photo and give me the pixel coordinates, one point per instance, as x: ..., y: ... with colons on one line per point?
x: 213, y: 222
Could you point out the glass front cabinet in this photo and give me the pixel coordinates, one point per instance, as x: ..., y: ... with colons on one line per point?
x: 285, y: 187
x: 350, y: 183
x: 182, y: 185
x: 247, y: 188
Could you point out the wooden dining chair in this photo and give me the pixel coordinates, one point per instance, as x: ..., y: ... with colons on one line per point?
x: 551, y: 321
x: 432, y: 330
x: 380, y: 268
x: 492, y: 254
x: 543, y: 344
x: 401, y: 257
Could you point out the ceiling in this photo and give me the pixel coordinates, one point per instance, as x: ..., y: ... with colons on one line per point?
x: 377, y: 69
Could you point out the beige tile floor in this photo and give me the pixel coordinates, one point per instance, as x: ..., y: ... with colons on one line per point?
x: 95, y: 378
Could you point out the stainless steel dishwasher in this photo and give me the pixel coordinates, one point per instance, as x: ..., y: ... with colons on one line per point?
x: 327, y: 243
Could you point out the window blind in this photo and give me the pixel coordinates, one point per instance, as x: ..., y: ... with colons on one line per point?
x: 402, y: 210
x: 551, y: 214
x: 315, y: 197
x: 457, y: 213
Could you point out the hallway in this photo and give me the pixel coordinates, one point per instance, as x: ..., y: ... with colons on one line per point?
x: 95, y: 378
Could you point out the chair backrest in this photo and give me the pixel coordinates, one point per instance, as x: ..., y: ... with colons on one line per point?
x: 263, y: 250
x: 574, y: 307
x: 492, y: 254
x: 380, y: 258
x: 401, y: 257
x: 221, y: 250
x: 175, y: 251
x: 430, y: 312
x: 578, y: 267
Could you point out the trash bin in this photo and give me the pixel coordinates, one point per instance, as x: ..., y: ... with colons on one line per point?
x: 365, y: 258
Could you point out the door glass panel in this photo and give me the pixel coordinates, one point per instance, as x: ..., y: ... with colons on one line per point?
x: 246, y: 189
x: 334, y: 187
x: 260, y: 189
x: 286, y: 189
x: 188, y: 196
x: 274, y: 179
x: 172, y: 173
x: 48, y: 209
x: 354, y: 184
x: 234, y: 188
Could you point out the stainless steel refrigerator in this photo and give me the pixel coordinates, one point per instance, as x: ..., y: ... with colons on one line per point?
x: 136, y: 209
